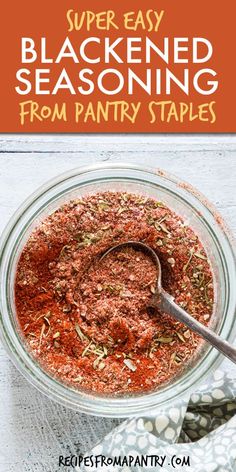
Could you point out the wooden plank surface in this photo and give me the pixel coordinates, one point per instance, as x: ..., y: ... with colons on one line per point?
x: 35, y: 430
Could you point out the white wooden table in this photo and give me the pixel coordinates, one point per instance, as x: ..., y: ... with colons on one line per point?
x: 34, y: 430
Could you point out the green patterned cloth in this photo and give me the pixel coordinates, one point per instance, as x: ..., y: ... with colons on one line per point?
x: 202, y: 427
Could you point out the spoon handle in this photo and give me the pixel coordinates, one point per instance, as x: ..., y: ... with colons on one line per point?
x: 167, y: 304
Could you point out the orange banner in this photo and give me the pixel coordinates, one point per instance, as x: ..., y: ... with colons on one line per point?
x: 165, y: 66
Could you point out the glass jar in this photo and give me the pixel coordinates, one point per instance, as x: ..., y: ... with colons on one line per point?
x: 186, y: 202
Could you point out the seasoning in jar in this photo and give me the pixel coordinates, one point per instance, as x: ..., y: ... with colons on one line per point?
x: 85, y: 320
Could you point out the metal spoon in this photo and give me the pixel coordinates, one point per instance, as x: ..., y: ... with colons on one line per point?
x: 164, y: 302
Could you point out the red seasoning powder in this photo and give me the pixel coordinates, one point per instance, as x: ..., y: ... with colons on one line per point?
x: 85, y: 320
